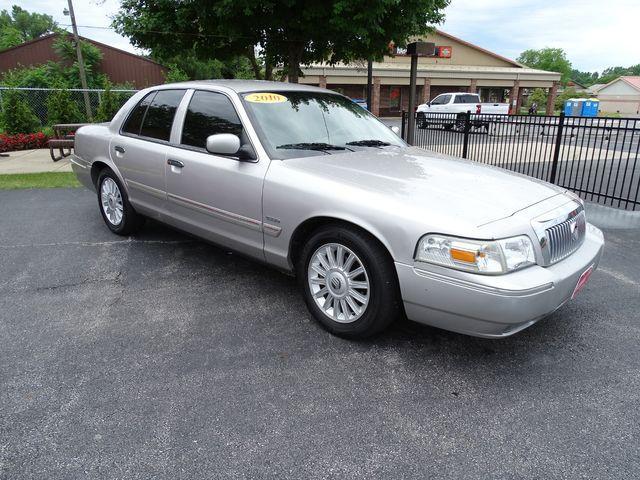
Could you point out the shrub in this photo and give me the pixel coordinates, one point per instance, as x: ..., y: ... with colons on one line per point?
x: 17, y: 116
x: 540, y: 97
x: 62, y: 109
x: 22, y: 141
x: 175, y: 74
x: 109, y: 105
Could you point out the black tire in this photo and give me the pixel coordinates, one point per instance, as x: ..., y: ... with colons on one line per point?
x: 130, y: 220
x: 383, y: 305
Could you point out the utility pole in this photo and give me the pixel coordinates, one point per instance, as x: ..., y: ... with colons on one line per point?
x: 83, y: 76
x: 415, y: 49
x: 369, y: 83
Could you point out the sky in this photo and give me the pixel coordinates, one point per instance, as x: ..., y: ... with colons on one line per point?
x: 595, y: 34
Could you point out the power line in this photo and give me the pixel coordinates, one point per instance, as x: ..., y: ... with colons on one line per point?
x: 164, y: 32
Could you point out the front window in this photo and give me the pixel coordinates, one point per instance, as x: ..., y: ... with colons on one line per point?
x: 295, y: 124
x: 441, y: 100
x: 209, y: 113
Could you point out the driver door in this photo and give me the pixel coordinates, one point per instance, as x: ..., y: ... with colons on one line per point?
x: 215, y: 196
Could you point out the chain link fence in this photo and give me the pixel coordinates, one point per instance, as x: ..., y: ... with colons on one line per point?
x: 37, y: 99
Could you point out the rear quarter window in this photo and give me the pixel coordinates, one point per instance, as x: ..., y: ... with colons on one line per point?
x: 134, y: 120
x: 466, y: 99
x: 159, y: 117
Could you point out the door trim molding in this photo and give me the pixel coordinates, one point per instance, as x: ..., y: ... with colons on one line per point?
x: 227, y: 216
x: 141, y: 187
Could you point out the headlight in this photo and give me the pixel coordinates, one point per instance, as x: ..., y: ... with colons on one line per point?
x: 479, y: 256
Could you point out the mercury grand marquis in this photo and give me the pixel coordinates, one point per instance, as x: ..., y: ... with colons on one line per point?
x: 307, y: 181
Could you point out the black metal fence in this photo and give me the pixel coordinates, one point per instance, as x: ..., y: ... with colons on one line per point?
x: 598, y: 158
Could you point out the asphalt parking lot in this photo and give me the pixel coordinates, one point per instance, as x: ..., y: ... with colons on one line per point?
x: 160, y: 356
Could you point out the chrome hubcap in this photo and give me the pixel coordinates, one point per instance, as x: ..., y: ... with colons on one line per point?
x: 111, y: 201
x: 338, y: 283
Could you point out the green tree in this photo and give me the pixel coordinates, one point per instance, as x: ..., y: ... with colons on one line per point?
x: 289, y: 33
x: 62, y: 109
x: 109, y: 104
x: 16, y: 116
x: 566, y: 95
x: 549, y: 59
x: 611, y: 73
x: 585, y: 78
x: 19, y: 26
x: 65, y: 48
x: 175, y: 74
x: 189, y: 67
x: 539, y: 96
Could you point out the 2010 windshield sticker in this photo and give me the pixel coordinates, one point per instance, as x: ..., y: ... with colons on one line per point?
x: 265, y: 97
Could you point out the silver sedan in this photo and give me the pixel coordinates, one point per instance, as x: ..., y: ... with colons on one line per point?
x: 304, y: 179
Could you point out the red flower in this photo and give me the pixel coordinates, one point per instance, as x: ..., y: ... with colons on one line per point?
x: 22, y: 141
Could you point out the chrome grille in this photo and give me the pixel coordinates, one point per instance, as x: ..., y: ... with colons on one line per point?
x: 566, y: 237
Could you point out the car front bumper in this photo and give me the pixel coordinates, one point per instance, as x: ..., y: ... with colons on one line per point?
x: 494, y: 306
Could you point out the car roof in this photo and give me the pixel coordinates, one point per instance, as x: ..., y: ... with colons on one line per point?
x: 244, y: 86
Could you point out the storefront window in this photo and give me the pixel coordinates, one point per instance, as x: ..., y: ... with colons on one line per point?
x: 394, y: 98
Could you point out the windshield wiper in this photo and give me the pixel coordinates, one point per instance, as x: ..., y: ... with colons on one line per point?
x: 369, y: 143
x: 311, y: 146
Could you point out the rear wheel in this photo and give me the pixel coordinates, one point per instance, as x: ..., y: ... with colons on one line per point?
x: 348, y: 281
x: 114, y: 205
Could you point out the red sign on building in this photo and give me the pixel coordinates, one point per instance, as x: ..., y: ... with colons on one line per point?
x: 443, y: 52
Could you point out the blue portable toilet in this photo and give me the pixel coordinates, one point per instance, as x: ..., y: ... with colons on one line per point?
x: 573, y: 107
x: 590, y: 107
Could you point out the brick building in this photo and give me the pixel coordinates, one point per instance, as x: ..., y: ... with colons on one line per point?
x: 462, y: 67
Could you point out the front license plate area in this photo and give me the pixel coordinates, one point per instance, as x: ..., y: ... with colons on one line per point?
x: 582, y: 281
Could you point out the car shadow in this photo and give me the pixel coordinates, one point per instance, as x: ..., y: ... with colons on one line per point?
x: 402, y: 338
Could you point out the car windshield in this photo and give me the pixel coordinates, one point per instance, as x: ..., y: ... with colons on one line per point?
x: 297, y: 123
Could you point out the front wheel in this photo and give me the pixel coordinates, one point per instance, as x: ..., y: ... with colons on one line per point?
x: 349, y: 282
x: 114, y: 205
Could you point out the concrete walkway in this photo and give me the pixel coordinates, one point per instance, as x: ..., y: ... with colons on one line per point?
x: 32, y: 161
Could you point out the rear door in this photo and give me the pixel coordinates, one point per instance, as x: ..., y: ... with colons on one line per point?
x: 139, y: 150
x: 215, y: 196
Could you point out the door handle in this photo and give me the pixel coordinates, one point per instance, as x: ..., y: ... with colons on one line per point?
x: 175, y: 163
x: 119, y: 149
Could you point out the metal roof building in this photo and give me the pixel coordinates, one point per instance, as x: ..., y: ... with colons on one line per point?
x: 120, y: 66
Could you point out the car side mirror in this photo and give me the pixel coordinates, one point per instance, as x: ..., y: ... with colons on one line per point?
x: 395, y: 130
x: 223, y: 144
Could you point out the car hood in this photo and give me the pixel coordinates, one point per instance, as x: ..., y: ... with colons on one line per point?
x: 418, y: 181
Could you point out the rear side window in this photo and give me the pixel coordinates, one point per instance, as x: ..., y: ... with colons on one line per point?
x: 134, y: 121
x: 159, y: 117
x: 209, y: 113
x: 466, y: 99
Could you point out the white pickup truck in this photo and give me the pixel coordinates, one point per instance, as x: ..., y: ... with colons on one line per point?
x: 456, y: 103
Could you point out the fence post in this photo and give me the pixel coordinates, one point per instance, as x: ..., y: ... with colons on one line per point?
x: 467, y: 128
x: 556, y: 150
x: 402, y: 125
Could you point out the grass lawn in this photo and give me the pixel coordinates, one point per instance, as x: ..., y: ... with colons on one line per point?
x: 14, y: 181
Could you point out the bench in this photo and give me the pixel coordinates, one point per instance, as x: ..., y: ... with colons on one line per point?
x: 63, y: 140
